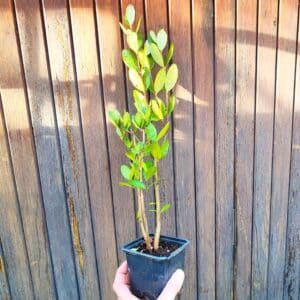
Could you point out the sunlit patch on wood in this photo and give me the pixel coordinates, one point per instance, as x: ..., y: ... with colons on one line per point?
x: 2, y: 269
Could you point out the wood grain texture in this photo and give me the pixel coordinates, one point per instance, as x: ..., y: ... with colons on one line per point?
x: 244, y: 142
x: 203, y: 61
x: 93, y: 125
x: 291, y: 287
x: 265, y: 88
x: 47, y: 149
x: 155, y: 20
x: 288, y: 13
x: 23, y: 158
x: 115, y: 98
x: 71, y: 146
x: 11, y: 231
x: 183, y: 127
x: 224, y: 145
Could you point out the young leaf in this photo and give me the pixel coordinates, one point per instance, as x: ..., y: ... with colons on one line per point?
x: 114, y: 117
x: 170, y: 53
x: 151, y: 132
x: 156, y: 54
x: 129, y: 59
x: 134, y: 184
x: 162, y: 39
x: 150, y: 173
x: 163, y: 132
x: 159, y: 81
x: 130, y: 14
x: 134, y: 41
x: 147, y: 79
x: 172, y: 76
x: 156, y: 151
x: 130, y: 155
x: 171, y: 104
x: 147, y: 47
x: 126, y: 119
x: 164, y: 148
x: 156, y: 109
x: 165, y: 207
x: 125, y: 171
x: 152, y: 36
x: 136, y: 80
x: 143, y: 58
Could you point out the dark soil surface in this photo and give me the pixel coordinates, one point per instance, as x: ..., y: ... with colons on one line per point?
x: 165, y: 248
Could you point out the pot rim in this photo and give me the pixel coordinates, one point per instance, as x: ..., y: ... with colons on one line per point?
x: 127, y: 248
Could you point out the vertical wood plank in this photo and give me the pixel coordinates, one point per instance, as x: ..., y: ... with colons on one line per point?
x: 93, y: 125
x: 11, y: 232
x: 180, y: 32
x: 4, y: 284
x: 224, y: 144
x: 155, y: 20
x: 291, y: 288
x: 244, y: 142
x: 282, y: 144
x: 69, y: 129
x: 115, y: 97
x: 203, y: 62
x: 23, y: 158
x: 265, y: 87
x: 43, y: 122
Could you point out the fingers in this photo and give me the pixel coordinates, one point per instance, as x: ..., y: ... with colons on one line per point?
x: 122, y: 274
x: 173, y: 286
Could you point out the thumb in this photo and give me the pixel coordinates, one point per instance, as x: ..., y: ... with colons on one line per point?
x: 173, y: 286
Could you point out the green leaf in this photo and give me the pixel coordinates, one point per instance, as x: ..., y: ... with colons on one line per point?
x: 171, y: 105
x: 140, y: 101
x: 151, y: 132
x: 134, y: 41
x: 156, y: 54
x: 164, y: 148
x: 169, y: 54
x: 130, y: 14
x: 130, y: 155
x: 155, y: 151
x: 129, y: 59
x: 152, y: 36
x: 163, y: 132
x: 143, y: 58
x: 125, y: 171
x: 147, y: 47
x: 172, y: 76
x: 156, y: 109
x: 136, y: 80
x: 165, y: 207
x: 126, y: 120
x: 114, y: 117
x: 152, y: 210
x: 138, y: 120
x: 162, y: 106
x: 147, y: 79
x: 134, y: 184
x: 150, y: 173
x: 159, y: 81
x: 162, y: 39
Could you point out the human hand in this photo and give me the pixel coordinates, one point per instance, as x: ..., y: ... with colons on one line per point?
x: 121, y: 285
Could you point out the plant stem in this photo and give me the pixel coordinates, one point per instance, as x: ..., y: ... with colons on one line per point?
x: 157, y: 202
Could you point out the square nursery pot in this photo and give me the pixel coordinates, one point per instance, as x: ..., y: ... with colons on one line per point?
x: 149, y: 274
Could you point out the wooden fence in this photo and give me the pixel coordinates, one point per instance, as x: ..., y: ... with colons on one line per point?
x: 233, y: 174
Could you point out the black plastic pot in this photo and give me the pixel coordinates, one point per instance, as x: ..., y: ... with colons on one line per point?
x: 149, y: 274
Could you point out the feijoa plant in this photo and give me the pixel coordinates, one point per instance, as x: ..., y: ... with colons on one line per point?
x: 144, y: 133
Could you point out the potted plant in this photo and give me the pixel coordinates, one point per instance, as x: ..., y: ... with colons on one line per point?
x: 153, y: 258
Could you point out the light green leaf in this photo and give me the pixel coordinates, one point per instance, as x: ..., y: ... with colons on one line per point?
x: 140, y: 101
x: 151, y: 132
x: 169, y: 54
x: 134, y: 184
x: 165, y: 207
x: 130, y: 155
x: 134, y: 41
x: 164, y: 148
x: 143, y: 58
x: 130, y: 14
x: 136, y: 80
x: 156, y: 54
x: 163, y: 132
x: 138, y: 215
x: 156, y: 109
x: 162, y: 106
x: 172, y: 76
x: 126, y: 120
x: 147, y: 79
x: 159, y: 81
x: 153, y: 36
x: 125, y: 171
x: 152, y: 203
x: 162, y: 39
x: 114, y: 117
x: 150, y: 173
x: 152, y: 210
x: 172, y: 102
x: 147, y: 47
x: 155, y: 151
x: 129, y: 59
